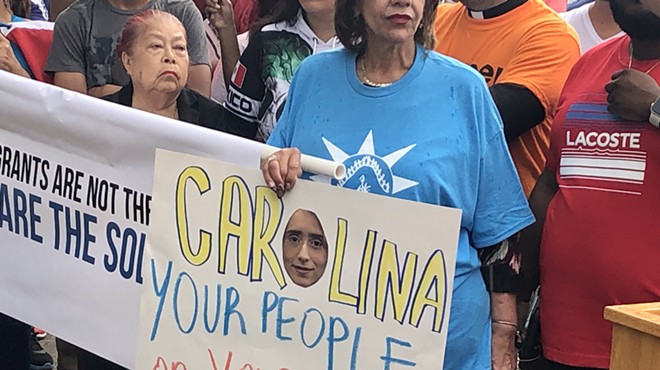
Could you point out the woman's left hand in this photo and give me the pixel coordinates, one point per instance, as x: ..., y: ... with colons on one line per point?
x: 504, y: 355
x: 281, y: 170
x: 220, y: 14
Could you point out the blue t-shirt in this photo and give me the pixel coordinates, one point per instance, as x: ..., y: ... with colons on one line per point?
x: 435, y: 136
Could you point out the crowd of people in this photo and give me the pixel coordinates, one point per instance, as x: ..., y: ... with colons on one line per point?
x: 539, y: 121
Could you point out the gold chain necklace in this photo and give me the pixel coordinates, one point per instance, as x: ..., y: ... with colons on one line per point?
x: 630, y: 49
x: 368, y: 81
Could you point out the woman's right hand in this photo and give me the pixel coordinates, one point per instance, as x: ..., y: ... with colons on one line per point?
x: 281, y: 170
x: 220, y: 14
x: 8, y: 61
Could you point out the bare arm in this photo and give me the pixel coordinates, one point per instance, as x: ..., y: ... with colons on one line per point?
x: 501, y: 272
x: 230, y: 52
x: 504, y: 317
x: 530, y: 238
x: 221, y: 17
x: 199, y: 79
x: 74, y: 81
x: 8, y: 61
x: 104, y: 90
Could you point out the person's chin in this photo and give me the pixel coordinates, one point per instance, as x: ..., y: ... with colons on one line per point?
x: 303, y: 279
x: 304, y: 282
x: 169, y: 88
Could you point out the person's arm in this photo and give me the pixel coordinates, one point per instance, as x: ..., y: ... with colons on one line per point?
x: 504, y: 329
x: 74, y: 81
x: 501, y: 272
x: 230, y: 55
x: 221, y: 17
x: 100, y: 91
x: 529, y: 86
x: 66, y: 58
x: 199, y: 79
x: 8, y: 61
x: 630, y: 94
x: 497, y: 220
x: 530, y: 238
x: 247, y: 90
x: 199, y: 72
x: 520, y: 109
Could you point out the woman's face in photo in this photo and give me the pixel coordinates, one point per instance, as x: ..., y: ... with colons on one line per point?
x: 304, y: 248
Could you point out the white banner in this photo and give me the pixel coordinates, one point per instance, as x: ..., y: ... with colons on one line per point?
x: 324, y: 278
x: 75, y: 184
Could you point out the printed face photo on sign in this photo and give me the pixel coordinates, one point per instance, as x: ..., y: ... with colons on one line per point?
x: 304, y: 248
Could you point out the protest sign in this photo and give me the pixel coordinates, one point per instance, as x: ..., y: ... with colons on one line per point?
x: 324, y: 278
x: 75, y: 198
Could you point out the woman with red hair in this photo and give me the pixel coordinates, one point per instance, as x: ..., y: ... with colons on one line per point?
x: 153, y: 49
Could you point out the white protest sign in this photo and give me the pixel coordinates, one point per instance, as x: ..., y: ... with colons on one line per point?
x: 75, y: 183
x: 325, y: 278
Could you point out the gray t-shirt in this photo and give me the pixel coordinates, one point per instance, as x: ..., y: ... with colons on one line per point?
x: 86, y: 35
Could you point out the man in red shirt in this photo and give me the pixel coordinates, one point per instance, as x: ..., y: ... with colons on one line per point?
x: 596, y: 201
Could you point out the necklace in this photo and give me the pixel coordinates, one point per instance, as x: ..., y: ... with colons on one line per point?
x: 630, y: 49
x: 366, y: 79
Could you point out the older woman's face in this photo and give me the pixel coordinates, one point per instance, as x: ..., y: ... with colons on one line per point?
x: 392, y: 21
x: 158, y: 61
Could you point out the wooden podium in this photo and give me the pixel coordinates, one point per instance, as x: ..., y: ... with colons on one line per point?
x: 635, y: 336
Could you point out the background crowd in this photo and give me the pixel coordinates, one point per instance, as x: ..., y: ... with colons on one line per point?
x: 540, y: 121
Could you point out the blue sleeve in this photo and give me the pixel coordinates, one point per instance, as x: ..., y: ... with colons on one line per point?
x: 501, y: 207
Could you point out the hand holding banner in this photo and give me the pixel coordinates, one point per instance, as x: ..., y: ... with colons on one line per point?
x: 311, y: 164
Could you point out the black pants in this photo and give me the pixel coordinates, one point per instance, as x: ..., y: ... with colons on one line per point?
x: 14, y: 344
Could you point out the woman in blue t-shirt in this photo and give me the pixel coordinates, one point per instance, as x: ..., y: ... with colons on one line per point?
x: 410, y: 123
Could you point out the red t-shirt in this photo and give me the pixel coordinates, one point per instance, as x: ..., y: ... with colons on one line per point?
x: 601, y: 239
